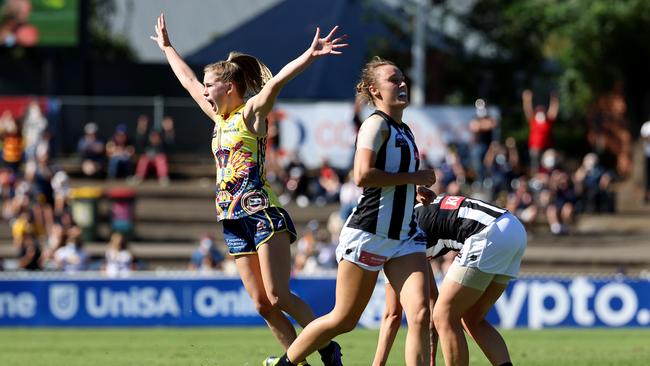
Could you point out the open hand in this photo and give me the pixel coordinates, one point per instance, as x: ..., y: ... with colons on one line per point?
x: 325, y: 46
x: 161, y: 37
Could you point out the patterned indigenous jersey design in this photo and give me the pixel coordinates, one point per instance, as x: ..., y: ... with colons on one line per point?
x: 239, y: 156
x: 388, y: 211
x: 450, y: 220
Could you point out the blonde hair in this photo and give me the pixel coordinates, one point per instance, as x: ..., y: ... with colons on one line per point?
x: 245, y: 71
x: 369, y: 77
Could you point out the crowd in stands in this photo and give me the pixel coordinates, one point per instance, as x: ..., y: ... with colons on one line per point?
x: 35, y: 193
x: 538, y: 184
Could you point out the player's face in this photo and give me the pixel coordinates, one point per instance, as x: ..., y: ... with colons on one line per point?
x: 390, y: 86
x: 215, y: 91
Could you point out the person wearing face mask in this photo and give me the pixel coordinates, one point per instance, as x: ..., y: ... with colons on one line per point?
x: 541, y: 124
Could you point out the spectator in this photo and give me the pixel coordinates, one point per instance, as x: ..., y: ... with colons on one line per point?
x: 55, y: 240
x: 560, y: 209
x: 329, y: 184
x: 501, y: 174
x: 34, y: 125
x: 12, y: 142
x: 154, y: 155
x: 72, y: 257
x: 541, y: 123
x: 119, y: 152
x: 592, y: 183
x: 306, y: 247
x: 119, y: 260
x: 206, y: 257
x: 91, y: 151
x: 349, y: 196
x: 645, y: 137
x: 522, y: 203
x: 482, y: 126
x: 29, y: 253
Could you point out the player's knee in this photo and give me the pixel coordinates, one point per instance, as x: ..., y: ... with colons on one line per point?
x: 419, y: 317
x: 264, y: 308
x: 471, y: 321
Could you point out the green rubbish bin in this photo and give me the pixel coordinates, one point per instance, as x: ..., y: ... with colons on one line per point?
x: 84, y: 210
x: 122, y: 210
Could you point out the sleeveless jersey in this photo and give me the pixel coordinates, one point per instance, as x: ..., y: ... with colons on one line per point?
x: 450, y: 220
x: 388, y: 211
x: 242, y: 188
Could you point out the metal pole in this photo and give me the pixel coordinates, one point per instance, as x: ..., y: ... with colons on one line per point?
x: 158, y: 111
x: 418, y: 52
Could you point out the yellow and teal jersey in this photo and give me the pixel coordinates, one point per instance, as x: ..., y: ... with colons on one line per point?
x: 239, y: 155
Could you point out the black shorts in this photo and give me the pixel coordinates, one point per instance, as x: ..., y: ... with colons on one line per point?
x: 245, y: 235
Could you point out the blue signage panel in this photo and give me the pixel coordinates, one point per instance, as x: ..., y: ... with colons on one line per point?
x: 528, y: 302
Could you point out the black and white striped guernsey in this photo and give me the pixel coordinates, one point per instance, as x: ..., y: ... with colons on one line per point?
x: 450, y: 220
x: 388, y: 211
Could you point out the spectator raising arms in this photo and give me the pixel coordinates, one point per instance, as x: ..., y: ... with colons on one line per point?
x: 541, y: 123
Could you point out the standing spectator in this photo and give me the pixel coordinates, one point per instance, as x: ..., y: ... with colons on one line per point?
x: 12, y: 142
x: 119, y: 260
x: 119, y: 152
x: 482, y: 128
x: 592, y: 184
x: 541, y: 123
x: 91, y: 151
x: 34, y: 125
x: 645, y: 136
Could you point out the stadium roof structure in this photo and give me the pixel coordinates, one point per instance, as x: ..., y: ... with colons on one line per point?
x: 284, y: 31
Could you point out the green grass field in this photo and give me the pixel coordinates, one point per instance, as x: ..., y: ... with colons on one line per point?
x: 249, y: 346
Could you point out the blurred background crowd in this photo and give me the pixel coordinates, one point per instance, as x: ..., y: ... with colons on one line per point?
x: 569, y: 134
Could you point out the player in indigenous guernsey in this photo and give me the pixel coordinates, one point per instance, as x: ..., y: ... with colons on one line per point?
x: 490, y: 243
x: 238, y: 94
x: 381, y: 232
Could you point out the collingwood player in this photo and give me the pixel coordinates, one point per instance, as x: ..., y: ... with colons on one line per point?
x: 490, y: 243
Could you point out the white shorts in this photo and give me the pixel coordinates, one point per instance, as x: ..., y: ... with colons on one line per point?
x: 497, y: 249
x: 371, y: 252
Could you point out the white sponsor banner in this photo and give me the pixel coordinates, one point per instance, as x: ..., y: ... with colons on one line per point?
x: 326, y: 131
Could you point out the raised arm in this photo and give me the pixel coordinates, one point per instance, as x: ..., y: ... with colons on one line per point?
x: 553, y: 107
x: 182, y: 71
x: 262, y: 103
x: 527, y: 101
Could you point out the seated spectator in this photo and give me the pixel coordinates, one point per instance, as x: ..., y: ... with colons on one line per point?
x: 297, y: 183
x: 206, y: 257
x: 119, y: 260
x: 592, y: 183
x: 91, y: 151
x: 72, y: 257
x: 306, y: 247
x: 329, y: 184
x: 522, y: 203
x: 29, y: 253
x: 153, y: 156
x: 349, y: 196
x: 55, y: 240
x: 119, y: 152
x: 562, y: 199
